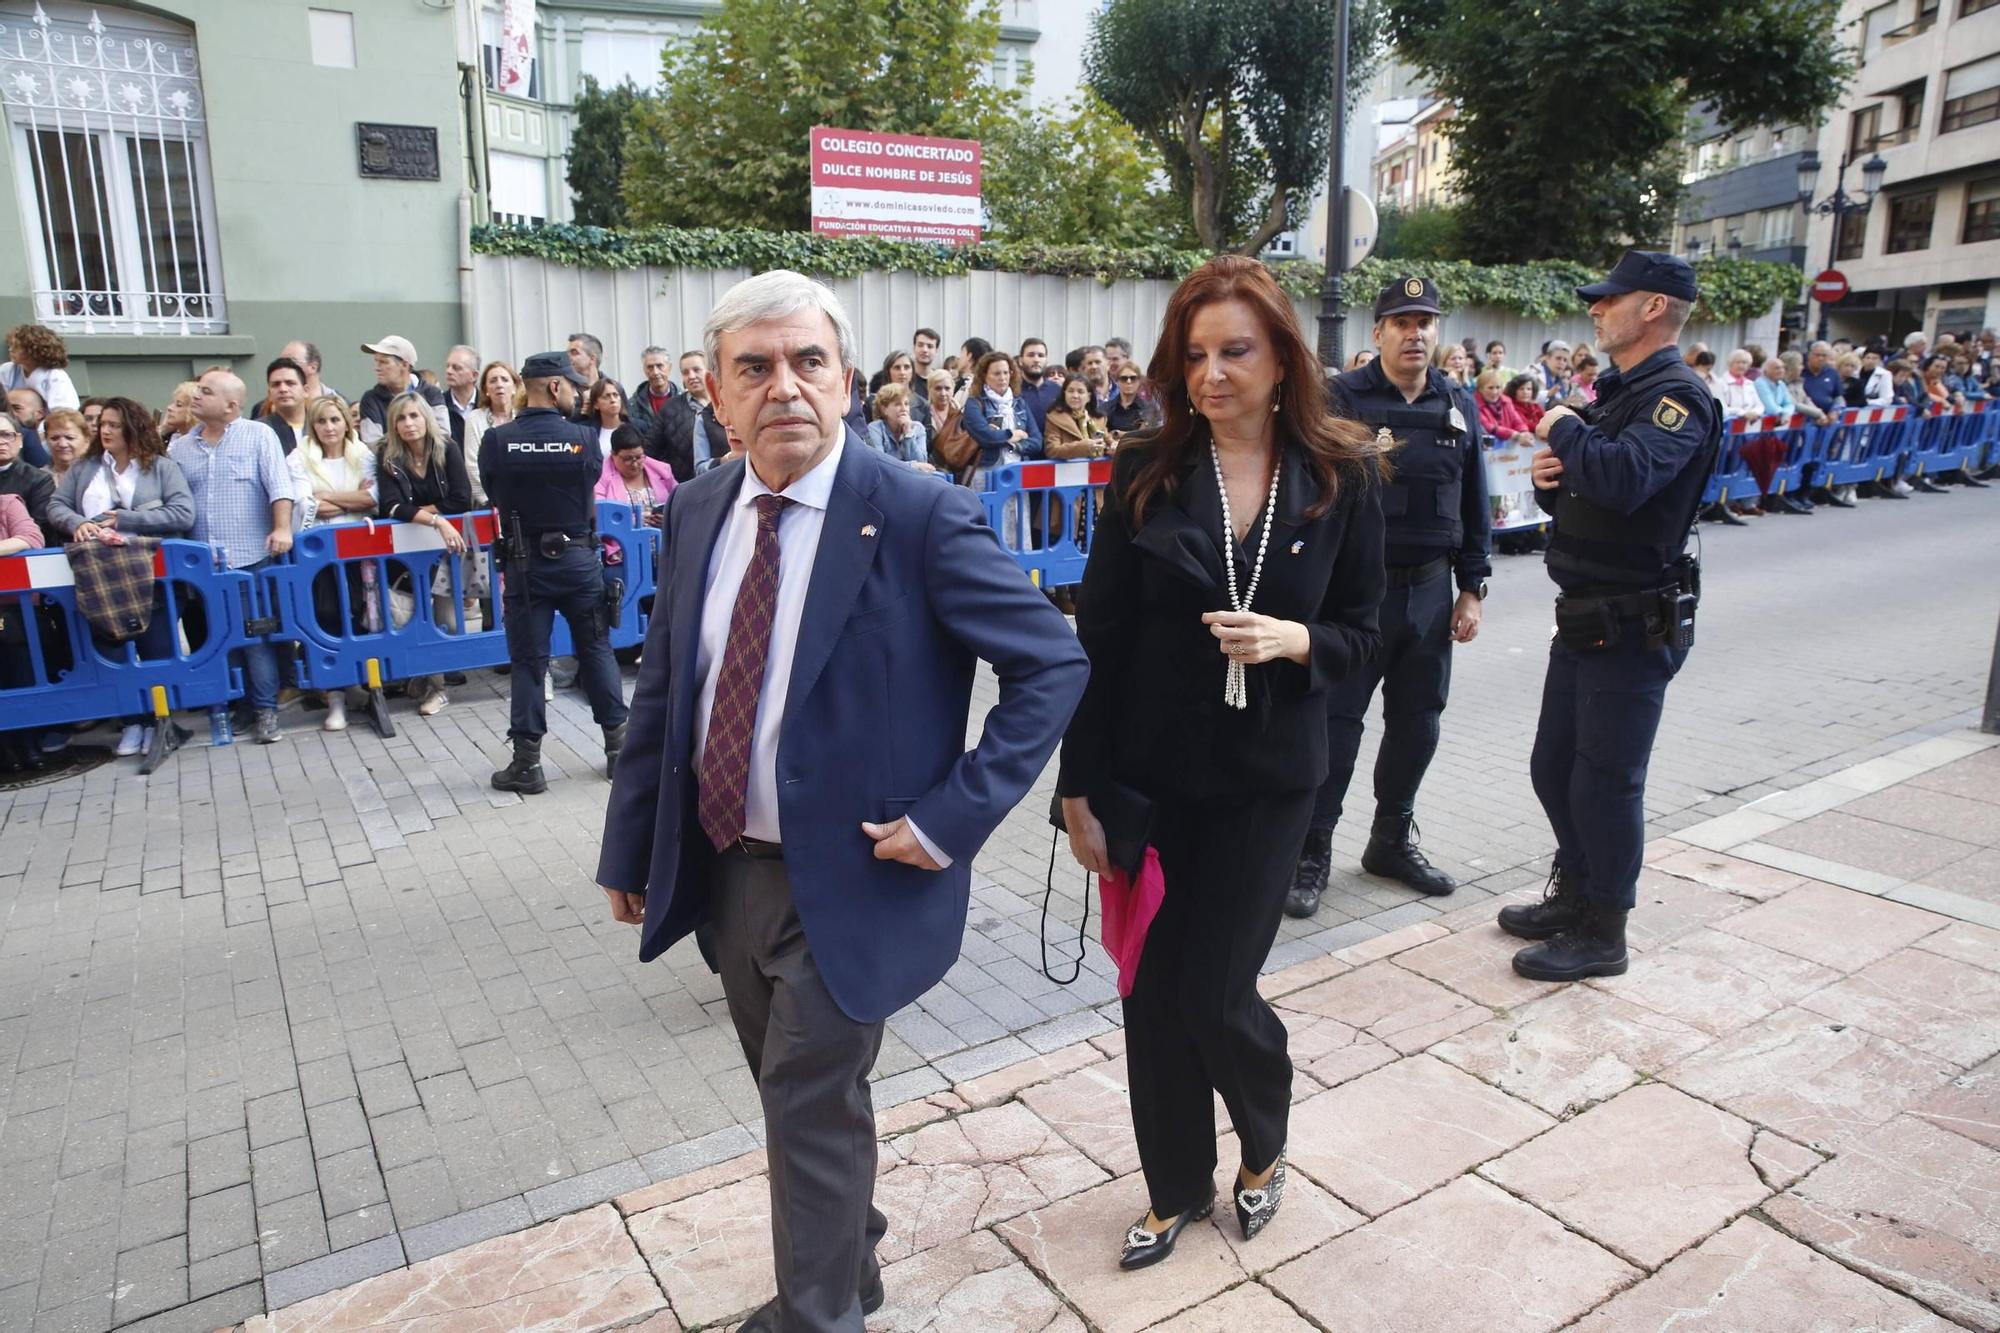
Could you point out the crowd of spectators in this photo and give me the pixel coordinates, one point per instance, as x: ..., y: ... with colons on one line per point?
x: 215, y: 466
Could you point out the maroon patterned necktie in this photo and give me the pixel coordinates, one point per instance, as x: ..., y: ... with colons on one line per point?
x: 732, y: 716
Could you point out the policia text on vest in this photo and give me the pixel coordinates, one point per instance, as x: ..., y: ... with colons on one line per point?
x: 541, y: 470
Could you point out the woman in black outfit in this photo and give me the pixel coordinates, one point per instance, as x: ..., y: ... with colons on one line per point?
x: 1207, y: 695
x: 421, y: 478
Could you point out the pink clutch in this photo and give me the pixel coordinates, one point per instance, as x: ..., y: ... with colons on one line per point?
x: 1130, y: 903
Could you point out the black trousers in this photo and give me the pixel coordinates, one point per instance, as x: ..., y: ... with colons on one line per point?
x: 1194, y: 1022
x: 811, y: 1064
x: 573, y: 584
x: 1600, y: 712
x: 1414, y: 671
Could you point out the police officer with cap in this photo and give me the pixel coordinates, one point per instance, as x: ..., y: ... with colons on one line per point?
x: 1437, y: 530
x: 1623, y: 479
x: 541, y: 471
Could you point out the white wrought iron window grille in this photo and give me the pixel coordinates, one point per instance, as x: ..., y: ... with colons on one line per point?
x: 111, y: 169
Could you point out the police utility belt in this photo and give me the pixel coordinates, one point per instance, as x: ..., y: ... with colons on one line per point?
x: 1594, y: 622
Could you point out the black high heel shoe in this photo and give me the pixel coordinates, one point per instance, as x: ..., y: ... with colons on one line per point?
x: 1255, y: 1208
x: 1144, y: 1248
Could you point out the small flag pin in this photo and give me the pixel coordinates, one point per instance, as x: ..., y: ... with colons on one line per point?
x: 1297, y: 547
x: 868, y: 530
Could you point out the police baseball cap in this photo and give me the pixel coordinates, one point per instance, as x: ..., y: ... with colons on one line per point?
x: 542, y: 365
x: 1645, y: 271
x: 1407, y: 295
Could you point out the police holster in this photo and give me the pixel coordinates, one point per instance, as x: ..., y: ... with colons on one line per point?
x: 1595, y: 623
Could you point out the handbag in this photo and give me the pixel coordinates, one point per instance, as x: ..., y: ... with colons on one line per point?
x: 1127, y: 818
x: 956, y: 449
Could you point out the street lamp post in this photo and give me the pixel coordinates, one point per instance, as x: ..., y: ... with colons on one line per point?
x: 1332, y: 308
x: 1839, y: 204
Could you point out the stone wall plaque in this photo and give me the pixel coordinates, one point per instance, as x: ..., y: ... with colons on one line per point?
x: 397, y: 152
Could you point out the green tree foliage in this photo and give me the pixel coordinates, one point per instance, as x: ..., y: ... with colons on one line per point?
x: 1431, y: 231
x: 1591, y: 162
x: 597, y: 151
x: 1079, y: 177
x: 1236, y: 96
x: 726, y: 143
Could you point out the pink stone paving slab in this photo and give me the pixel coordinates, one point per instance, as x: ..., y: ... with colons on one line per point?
x: 1092, y: 1109
x: 1669, y: 907
x: 1307, y: 1218
x: 1975, y: 876
x: 1300, y: 975
x: 1749, y: 1276
x: 1969, y: 1105
x: 1572, y: 1049
x: 1388, y: 1136
x: 973, y: 1284
x: 1718, y: 982
x: 1928, y: 810
x: 1870, y: 844
x: 1916, y: 1208
x: 1646, y: 1175
x: 1329, y: 1052
x: 967, y: 1173
x: 1003, y: 1084
x: 1481, y: 915
x: 1391, y: 1005
x: 918, y: 1112
x: 1779, y: 1162
x: 1966, y: 942
x: 1390, y: 943
x: 1935, y: 1004
x: 1836, y: 928
x: 1074, y: 1245
x: 1976, y: 776
x: 578, y: 1272
x: 1816, y: 1081
x: 1111, y: 1043
x: 711, y: 1252
x: 1249, y: 1308
x: 1732, y: 874
x: 1477, y: 964
x: 686, y: 1186
x: 1464, y: 1257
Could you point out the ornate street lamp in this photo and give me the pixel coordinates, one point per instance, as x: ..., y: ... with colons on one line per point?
x: 1839, y: 204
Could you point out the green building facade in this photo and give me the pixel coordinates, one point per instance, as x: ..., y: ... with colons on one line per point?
x: 191, y: 182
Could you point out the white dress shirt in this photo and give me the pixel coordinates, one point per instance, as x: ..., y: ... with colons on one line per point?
x: 799, y: 525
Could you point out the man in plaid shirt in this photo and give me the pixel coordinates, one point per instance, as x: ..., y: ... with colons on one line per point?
x: 242, y: 504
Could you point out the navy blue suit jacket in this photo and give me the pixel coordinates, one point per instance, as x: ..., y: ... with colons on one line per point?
x: 909, y: 590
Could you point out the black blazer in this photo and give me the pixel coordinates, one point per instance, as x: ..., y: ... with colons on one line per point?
x: 400, y: 493
x: 1152, y: 716
x: 671, y: 439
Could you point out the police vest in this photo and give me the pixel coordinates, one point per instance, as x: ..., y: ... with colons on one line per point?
x: 545, y: 469
x: 1593, y: 545
x: 1420, y: 502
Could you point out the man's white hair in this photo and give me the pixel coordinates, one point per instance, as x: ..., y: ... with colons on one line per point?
x: 774, y: 295
x: 1913, y: 339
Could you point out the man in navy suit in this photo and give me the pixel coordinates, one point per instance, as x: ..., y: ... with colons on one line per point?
x: 795, y: 789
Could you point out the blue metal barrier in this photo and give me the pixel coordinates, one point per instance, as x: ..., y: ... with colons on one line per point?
x: 1803, y: 446
x: 1863, y: 444
x: 59, y: 672
x: 422, y: 622
x: 1045, y: 513
x: 1933, y: 449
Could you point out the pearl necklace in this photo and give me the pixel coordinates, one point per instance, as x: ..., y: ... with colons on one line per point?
x: 1235, y: 692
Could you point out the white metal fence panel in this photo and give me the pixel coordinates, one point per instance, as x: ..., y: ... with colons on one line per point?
x: 525, y: 305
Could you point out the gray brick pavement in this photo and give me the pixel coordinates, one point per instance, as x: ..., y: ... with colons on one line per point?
x: 280, y: 1017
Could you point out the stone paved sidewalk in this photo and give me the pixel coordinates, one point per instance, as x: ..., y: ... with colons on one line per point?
x: 1785, y: 1117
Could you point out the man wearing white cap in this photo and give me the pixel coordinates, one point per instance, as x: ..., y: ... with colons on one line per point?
x: 396, y: 372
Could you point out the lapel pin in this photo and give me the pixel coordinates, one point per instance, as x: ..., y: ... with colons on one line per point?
x: 1297, y: 547
x: 868, y: 530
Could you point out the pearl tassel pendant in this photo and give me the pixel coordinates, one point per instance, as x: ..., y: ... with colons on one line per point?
x: 1235, y: 688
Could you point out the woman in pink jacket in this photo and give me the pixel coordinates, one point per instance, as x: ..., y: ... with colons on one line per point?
x: 630, y: 477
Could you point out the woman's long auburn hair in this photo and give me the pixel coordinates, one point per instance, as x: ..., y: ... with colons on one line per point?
x: 1332, y: 445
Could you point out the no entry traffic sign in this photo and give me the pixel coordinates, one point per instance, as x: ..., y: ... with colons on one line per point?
x: 1829, y: 286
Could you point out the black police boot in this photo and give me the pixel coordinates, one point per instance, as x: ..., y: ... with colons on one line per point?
x: 524, y: 775
x: 1309, y: 880
x: 614, y: 741
x: 1964, y: 477
x: 1592, y: 945
x: 1392, y: 853
x: 1561, y: 900
x: 1926, y: 485
x: 1719, y: 513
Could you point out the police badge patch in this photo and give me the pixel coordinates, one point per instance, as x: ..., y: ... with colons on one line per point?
x: 1669, y: 415
x: 1414, y: 287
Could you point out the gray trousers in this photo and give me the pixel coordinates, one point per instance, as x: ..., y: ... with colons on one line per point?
x: 811, y: 1065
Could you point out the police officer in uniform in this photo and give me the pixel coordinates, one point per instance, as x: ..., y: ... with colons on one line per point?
x: 1437, y: 528
x: 1623, y: 480
x: 541, y: 469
